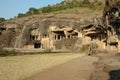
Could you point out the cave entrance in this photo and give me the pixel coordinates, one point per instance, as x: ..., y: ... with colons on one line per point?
x: 37, y: 45
x: 59, y: 35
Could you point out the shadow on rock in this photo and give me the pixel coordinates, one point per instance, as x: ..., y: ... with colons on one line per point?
x: 114, y: 75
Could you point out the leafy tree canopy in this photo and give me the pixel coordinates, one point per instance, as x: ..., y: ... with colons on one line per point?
x: 2, y: 19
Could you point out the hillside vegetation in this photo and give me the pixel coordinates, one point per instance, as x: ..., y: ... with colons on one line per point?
x: 64, y: 6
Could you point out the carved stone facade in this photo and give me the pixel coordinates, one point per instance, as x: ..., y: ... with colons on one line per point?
x: 54, y: 34
x: 111, y: 19
x: 95, y: 33
x: 107, y: 36
x: 43, y: 34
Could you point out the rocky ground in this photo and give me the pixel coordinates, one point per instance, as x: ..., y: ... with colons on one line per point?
x: 107, y: 67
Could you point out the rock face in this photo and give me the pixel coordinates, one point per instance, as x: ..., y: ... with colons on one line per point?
x: 108, y: 34
x: 111, y: 19
x: 41, y: 33
x: 50, y: 32
x: 108, y: 68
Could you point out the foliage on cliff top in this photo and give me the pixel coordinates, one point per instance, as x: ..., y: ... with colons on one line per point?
x: 61, y: 6
x: 2, y: 19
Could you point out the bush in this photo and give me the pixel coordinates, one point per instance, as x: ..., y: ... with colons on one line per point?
x: 2, y: 19
x: 4, y: 52
x: 48, y: 50
x: 88, y: 48
x: 13, y: 52
x: 84, y: 48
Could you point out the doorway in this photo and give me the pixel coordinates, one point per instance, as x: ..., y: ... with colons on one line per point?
x: 37, y: 45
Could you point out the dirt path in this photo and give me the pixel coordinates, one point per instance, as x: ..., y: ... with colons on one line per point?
x: 77, y: 69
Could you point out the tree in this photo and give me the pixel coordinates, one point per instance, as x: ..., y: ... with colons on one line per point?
x: 2, y: 19
x: 48, y: 9
x: 33, y: 11
x: 21, y: 15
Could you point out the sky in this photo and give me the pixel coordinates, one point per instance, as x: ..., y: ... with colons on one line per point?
x: 11, y: 8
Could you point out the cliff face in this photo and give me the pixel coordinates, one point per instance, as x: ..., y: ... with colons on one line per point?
x: 34, y: 31
x: 107, y: 67
x: 20, y: 29
x: 111, y: 19
x: 46, y: 30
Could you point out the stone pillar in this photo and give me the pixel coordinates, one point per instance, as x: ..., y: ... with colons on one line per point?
x: 70, y: 36
x: 66, y: 36
x: 107, y: 21
x: 55, y: 37
x: 60, y: 37
x: 118, y: 45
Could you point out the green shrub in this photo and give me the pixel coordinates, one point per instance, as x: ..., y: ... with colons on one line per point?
x: 48, y: 50
x: 13, y: 52
x: 84, y: 48
x: 4, y: 52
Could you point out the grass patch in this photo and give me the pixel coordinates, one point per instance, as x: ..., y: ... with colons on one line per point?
x: 4, y: 52
x: 84, y: 48
x: 47, y: 50
x: 21, y: 67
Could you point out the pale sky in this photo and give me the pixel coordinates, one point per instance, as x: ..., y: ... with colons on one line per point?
x: 10, y: 8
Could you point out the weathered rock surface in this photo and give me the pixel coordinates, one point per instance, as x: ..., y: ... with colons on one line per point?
x: 22, y: 27
x: 107, y: 67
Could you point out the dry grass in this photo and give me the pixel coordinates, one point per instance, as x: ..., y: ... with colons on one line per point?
x: 20, y: 67
x: 84, y: 13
